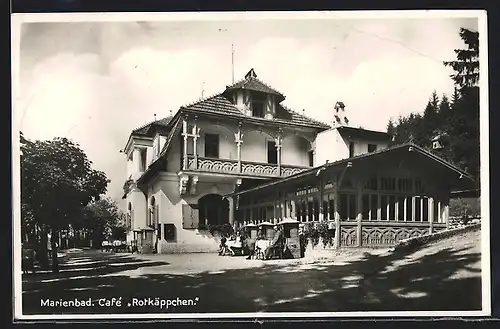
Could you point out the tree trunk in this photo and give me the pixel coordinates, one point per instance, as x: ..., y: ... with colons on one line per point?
x: 42, y: 251
x: 53, y: 243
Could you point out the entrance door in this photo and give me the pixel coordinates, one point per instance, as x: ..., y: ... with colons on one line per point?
x: 213, y: 210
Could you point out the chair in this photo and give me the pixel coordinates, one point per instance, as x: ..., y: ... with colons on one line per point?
x: 259, y: 253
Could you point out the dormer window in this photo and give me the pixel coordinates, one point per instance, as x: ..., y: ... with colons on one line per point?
x: 257, y: 109
x: 258, y: 103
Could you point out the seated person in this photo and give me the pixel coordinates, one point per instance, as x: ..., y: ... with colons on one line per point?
x: 276, y: 243
x: 250, y: 247
x: 237, y: 246
x: 223, y: 248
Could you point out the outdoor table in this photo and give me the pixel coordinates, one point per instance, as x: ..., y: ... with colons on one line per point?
x: 260, y: 248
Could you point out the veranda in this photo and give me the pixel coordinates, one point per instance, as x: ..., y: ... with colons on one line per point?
x: 375, y: 199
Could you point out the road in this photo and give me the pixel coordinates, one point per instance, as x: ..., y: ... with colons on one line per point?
x: 444, y: 276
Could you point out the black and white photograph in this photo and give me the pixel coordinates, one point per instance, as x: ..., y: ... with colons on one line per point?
x: 250, y: 164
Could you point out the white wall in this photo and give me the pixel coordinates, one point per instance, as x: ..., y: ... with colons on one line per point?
x: 138, y: 201
x: 294, y: 151
x: 361, y: 146
x: 254, y: 146
x: 227, y: 145
x: 330, y: 146
x: 166, y: 191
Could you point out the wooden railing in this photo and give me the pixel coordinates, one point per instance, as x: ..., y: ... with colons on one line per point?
x: 249, y: 168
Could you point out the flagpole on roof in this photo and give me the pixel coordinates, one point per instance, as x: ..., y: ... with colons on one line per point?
x: 232, y: 62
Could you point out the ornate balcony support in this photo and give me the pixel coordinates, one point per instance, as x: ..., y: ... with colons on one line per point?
x: 195, y: 133
x: 278, y: 142
x: 238, y: 138
x: 183, y: 183
x: 185, y: 148
x: 194, y: 183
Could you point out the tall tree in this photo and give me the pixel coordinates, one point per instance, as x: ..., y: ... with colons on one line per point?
x: 455, y: 97
x: 458, y: 118
x: 466, y: 66
x: 56, y: 181
x: 102, y: 220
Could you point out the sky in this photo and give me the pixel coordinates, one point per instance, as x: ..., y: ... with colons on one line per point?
x: 94, y: 82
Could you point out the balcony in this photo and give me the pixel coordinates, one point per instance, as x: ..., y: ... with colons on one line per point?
x: 226, y: 166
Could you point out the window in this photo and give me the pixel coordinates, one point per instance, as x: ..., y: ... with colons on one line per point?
x: 373, y: 206
x: 388, y: 184
x: 425, y: 209
x: 384, y: 202
x: 409, y: 209
x: 347, y: 206
x: 212, y: 145
x: 372, y: 183
x: 272, y: 152
x: 392, y: 207
x: 418, y: 213
x: 169, y: 232
x: 258, y: 104
x: 159, y: 231
x: 311, y: 158
x: 401, y: 208
x: 419, y: 187
x: 257, y: 109
x: 331, y: 209
x: 366, y: 206
x: 351, y: 149
x: 142, y: 164
x: 405, y: 185
x: 372, y: 148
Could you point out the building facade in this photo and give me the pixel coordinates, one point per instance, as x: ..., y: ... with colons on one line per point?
x: 180, y: 167
x: 241, y: 156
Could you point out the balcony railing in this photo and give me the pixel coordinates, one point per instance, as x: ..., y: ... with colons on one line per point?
x: 245, y: 168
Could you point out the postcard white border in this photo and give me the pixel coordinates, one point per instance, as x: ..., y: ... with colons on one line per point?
x: 18, y: 19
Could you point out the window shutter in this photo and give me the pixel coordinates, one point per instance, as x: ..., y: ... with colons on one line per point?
x: 190, y: 216
x: 187, y: 221
x: 132, y: 219
x: 195, y: 217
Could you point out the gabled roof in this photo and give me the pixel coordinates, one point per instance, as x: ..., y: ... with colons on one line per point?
x: 352, y: 132
x: 143, y: 130
x: 251, y: 82
x: 218, y: 104
x: 340, y: 163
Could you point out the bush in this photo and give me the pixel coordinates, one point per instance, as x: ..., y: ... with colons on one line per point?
x: 314, y: 231
x: 465, y: 209
x: 224, y: 230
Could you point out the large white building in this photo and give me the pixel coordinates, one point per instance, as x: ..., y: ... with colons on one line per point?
x: 205, y: 165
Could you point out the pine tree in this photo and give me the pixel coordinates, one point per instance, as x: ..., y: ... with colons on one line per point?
x: 434, y: 101
x: 455, y: 97
x: 464, y: 119
x: 466, y: 66
x: 443, y: 113
x: 444, y: 105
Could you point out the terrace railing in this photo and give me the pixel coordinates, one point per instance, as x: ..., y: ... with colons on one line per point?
x: 248, y: 168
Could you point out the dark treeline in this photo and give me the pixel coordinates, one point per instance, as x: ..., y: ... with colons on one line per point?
x: 452, y: 121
